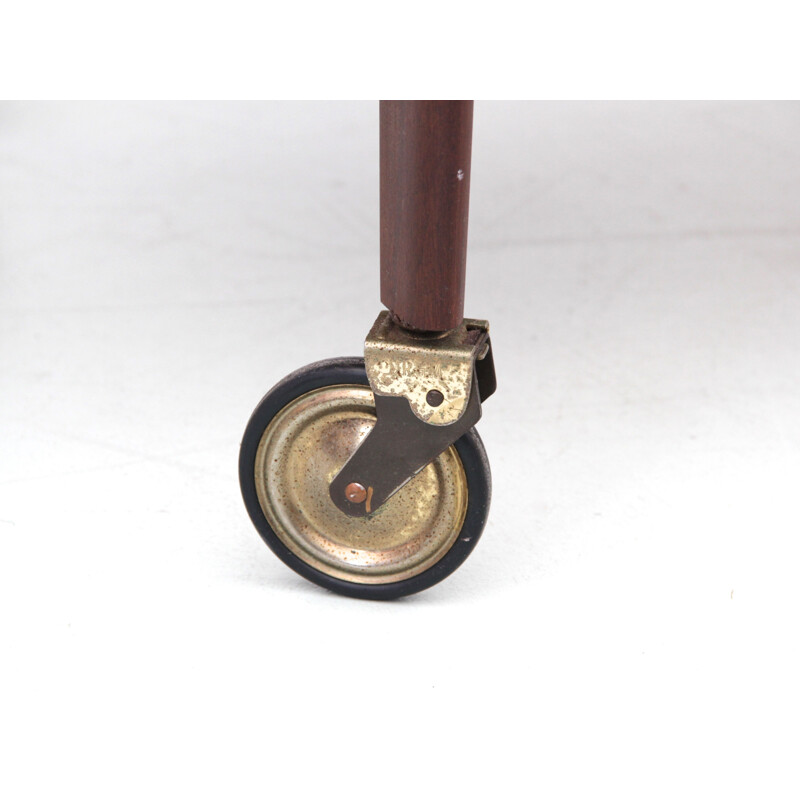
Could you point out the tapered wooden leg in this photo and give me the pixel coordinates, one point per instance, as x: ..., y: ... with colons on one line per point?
x: 425, y: 154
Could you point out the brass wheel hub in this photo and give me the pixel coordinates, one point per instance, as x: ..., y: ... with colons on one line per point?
x: 305, y: 446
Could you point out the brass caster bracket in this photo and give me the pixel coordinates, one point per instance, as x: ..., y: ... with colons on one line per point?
x: 428, y: 391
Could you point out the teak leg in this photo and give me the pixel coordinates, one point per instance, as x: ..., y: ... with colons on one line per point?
x: 425, y: 154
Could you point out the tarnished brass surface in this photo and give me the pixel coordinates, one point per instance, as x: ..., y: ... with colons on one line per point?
x: 305, y: 446
x: 402, y: 364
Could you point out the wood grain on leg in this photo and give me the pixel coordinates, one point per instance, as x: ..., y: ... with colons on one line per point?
x: 425, y: 153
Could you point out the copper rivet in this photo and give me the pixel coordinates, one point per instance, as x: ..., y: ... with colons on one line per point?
x: 355, y: 493
x: 434, y: 397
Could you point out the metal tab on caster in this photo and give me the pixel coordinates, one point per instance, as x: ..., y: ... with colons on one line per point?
x: 401, y: 363
x: 428, y: 391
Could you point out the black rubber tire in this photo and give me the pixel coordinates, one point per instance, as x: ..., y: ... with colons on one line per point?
x: 351, y: 371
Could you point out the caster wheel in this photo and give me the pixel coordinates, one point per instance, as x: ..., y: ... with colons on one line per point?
x: 300, y: 436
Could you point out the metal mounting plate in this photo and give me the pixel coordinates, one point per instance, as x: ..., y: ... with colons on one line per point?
x: 403, y: 364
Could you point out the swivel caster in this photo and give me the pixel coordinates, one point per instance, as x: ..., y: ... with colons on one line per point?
x: 366, y: 476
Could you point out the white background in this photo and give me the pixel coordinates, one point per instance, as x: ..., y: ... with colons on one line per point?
x: 627, y: 625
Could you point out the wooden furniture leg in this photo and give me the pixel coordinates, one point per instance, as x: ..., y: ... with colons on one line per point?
x: 425, y: 153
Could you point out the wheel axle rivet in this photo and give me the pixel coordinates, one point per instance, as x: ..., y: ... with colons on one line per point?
x: 355, y: 493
